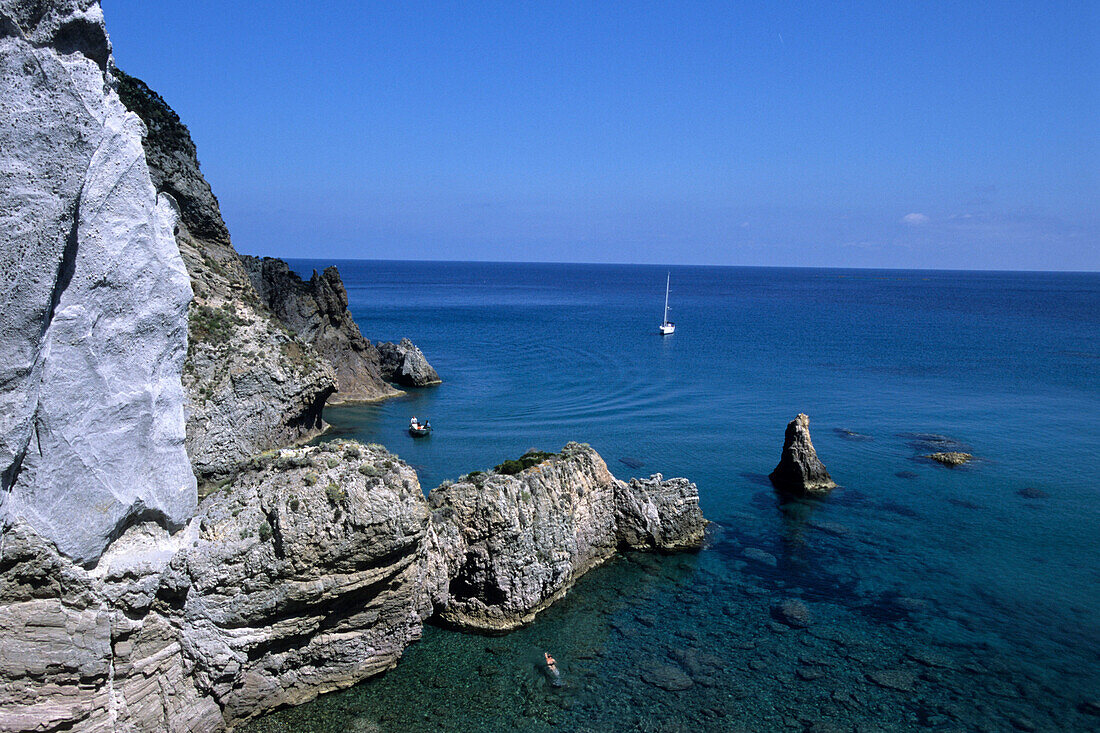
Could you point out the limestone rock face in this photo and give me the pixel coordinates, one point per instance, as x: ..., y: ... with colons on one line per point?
x: 659, y: 514
x: 514, y: 544
x: 405, y: 364
x: 93, y: 324
x: 303, y: 575
x: 317, y: 312
x: 799, y: 471
x: 251, y: 384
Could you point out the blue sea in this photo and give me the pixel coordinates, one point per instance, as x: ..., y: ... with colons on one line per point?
x: 962, y: 599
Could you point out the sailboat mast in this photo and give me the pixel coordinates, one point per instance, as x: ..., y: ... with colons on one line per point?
x: 667, y: 277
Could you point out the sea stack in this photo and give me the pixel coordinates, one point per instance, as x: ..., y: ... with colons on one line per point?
x: 800, y: 472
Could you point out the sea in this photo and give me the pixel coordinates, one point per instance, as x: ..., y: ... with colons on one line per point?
x: 954, y: 599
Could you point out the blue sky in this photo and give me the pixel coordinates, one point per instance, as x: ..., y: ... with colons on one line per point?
x: 893, y: 134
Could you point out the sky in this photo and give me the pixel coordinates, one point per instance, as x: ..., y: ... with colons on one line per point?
x: 943, y: 135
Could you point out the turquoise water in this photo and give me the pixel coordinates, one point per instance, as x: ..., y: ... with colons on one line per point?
x: 941, y: 598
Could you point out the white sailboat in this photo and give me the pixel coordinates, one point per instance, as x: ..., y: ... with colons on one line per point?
x: 667, y: 326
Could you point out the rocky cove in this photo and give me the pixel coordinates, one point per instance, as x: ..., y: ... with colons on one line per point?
x: 145, y: 359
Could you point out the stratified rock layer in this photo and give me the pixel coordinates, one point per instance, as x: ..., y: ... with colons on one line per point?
x: 405, y: 364
x: 309, y: 571
x: 317, y: 312
x: 513, y: 544
x: 251, y: 383
x: 303, y: 575
x: 94, y: 295
x: 800, y: 472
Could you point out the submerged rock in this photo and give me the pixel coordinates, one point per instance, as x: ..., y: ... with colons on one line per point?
x: 894, y: 679
x: 793, y: 613
x: 800, y: 472
x: 950, y: 458
x: 513, y: 544
x: 1032, y: 493
x: 405, y: 364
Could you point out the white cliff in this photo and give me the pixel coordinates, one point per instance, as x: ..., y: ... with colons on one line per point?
x: 93, y: 295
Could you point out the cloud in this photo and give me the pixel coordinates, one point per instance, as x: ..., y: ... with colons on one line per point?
x: 915, y: 220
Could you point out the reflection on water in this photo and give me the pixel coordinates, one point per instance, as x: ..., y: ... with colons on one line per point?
x: 938, y: 598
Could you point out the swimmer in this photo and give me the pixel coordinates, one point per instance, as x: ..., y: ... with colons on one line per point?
x: 552, y: 670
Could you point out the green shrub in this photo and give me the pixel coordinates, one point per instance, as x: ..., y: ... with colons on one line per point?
x: 352, y: 451
x: 333, y: 462
x: 368, y: 470
x: 310, y: 478
x: 265, y: 531
x: 335, y: 494
x: 527, y: 460
x: 293, y: 503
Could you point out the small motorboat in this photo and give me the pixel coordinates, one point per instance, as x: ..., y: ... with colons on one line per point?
x: 418, y: 429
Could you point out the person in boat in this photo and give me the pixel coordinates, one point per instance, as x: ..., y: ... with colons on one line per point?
x: 427, y: 426
x: 414, y: 423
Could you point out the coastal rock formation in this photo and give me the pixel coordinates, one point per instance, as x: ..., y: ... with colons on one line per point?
x: 317, y: 312
x: 94, y: 320
x: 514, y: 544
x: 405, y: 364
x: 310, y: 570
x: 251, y: 384
x: 301, y: 576
x: 799, y: 471
x: 951, y: 459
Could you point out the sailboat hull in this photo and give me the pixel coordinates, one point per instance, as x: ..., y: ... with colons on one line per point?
x: 666, y: 329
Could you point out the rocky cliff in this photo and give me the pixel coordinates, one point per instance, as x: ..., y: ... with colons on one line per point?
x: 309, y: 571
x: 302, y: 575
x: 317, y: 311
x: 513, y: 544
x: 251, y: 383
x: 124, y: 603
x: 94, y: 294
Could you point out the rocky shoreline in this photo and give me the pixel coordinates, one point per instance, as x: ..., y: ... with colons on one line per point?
x: 312, y: 569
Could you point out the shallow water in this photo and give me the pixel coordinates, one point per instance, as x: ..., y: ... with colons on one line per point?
x: 940, y: 598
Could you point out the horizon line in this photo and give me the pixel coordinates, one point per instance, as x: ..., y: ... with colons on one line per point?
x: 669, y: 265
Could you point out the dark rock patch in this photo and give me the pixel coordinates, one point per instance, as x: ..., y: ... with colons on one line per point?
x: 847, y: 434
x: 793, y: 613
x: 666, y: 676
x: 894, y: 679
x: 1032, y: 493
x: 907, y: 474
x: 895, y: 508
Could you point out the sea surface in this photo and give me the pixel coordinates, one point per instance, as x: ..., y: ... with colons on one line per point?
x: 962, y: 599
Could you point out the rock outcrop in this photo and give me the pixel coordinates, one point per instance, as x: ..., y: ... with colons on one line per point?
x: 93, y: 326
x: 405, y: 364
x: 251, y: 384
x: 309, y: 571
x: 800, y: 472
x: 513, y: 544
x: 301, y: 576
x: 951, y: 459
x: 317, y: 312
